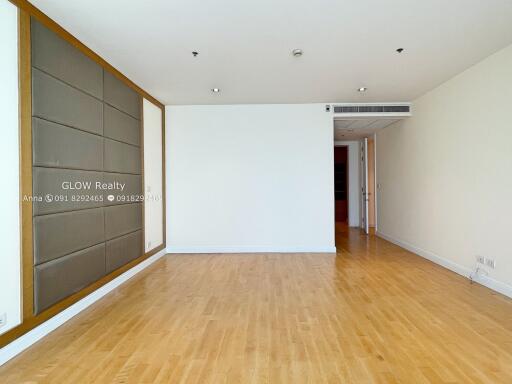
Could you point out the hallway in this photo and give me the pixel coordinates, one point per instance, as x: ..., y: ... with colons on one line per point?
x: 373, y: 313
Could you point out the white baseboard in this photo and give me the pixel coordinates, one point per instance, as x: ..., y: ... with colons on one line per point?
x: 29, y: 338
x: 257, y: 249
x: 486, y: 281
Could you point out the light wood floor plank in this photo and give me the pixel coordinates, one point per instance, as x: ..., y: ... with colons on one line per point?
x: 373, y: 313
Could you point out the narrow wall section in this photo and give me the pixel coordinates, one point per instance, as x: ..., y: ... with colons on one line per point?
x: 153, y: 172
x: 10, y: 256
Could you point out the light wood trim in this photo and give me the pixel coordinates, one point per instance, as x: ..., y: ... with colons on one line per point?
x: 25, y: 108
x: 49, y: 23
x: 30, y: 321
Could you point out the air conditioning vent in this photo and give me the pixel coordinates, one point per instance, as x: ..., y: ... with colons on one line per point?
x: 346, y: 109
x: 372, y: 109
x: 397, y: 108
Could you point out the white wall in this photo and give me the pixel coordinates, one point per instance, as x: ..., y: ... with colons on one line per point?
x: 445, y: 174
x: 153, y: 184
x: 10, y: 257
x: 243, y: 178
x: 354, y: 197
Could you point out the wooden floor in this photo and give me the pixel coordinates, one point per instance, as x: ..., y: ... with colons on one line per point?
x: 373, y: 313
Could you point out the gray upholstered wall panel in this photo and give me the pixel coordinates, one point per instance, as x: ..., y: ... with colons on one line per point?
x: 49, y: 181
x: 86, y: 128
x: 57, y: 57
x: 58, y: 102
x: 132, y: 188
x: 56, y: 145
x: 122, y: 219
x: 120, y: 126
x: 62, y: 277
x: 121, y: 157
x: 119, y: 95
x: 123, y: 250
x: 59, y: 234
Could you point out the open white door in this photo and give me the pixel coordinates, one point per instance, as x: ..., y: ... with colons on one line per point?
x: 364, y: 186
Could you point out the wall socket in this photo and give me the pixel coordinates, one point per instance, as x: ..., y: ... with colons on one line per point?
x: 485, y: 261
x: 3, y: 319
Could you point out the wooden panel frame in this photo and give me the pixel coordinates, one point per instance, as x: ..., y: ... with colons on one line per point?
x: 29, y: 320
x: 25, y: 108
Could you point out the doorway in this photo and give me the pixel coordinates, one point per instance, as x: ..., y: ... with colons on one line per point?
x: 341, y: 184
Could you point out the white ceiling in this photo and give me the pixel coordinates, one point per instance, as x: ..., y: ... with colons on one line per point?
x: 245, y: 46
x: 358, y: 129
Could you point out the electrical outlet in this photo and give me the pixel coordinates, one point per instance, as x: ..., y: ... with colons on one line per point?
x: 490, y: 263
x: 3, y: 319
x: 480, y: 259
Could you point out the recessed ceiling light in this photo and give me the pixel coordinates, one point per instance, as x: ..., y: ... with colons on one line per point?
x: 297, y: 52
x: 215, y: 90
x: 400, y: 50
x: 362, y: 89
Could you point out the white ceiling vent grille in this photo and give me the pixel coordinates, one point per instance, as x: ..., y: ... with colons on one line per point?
x: 356, y: 109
